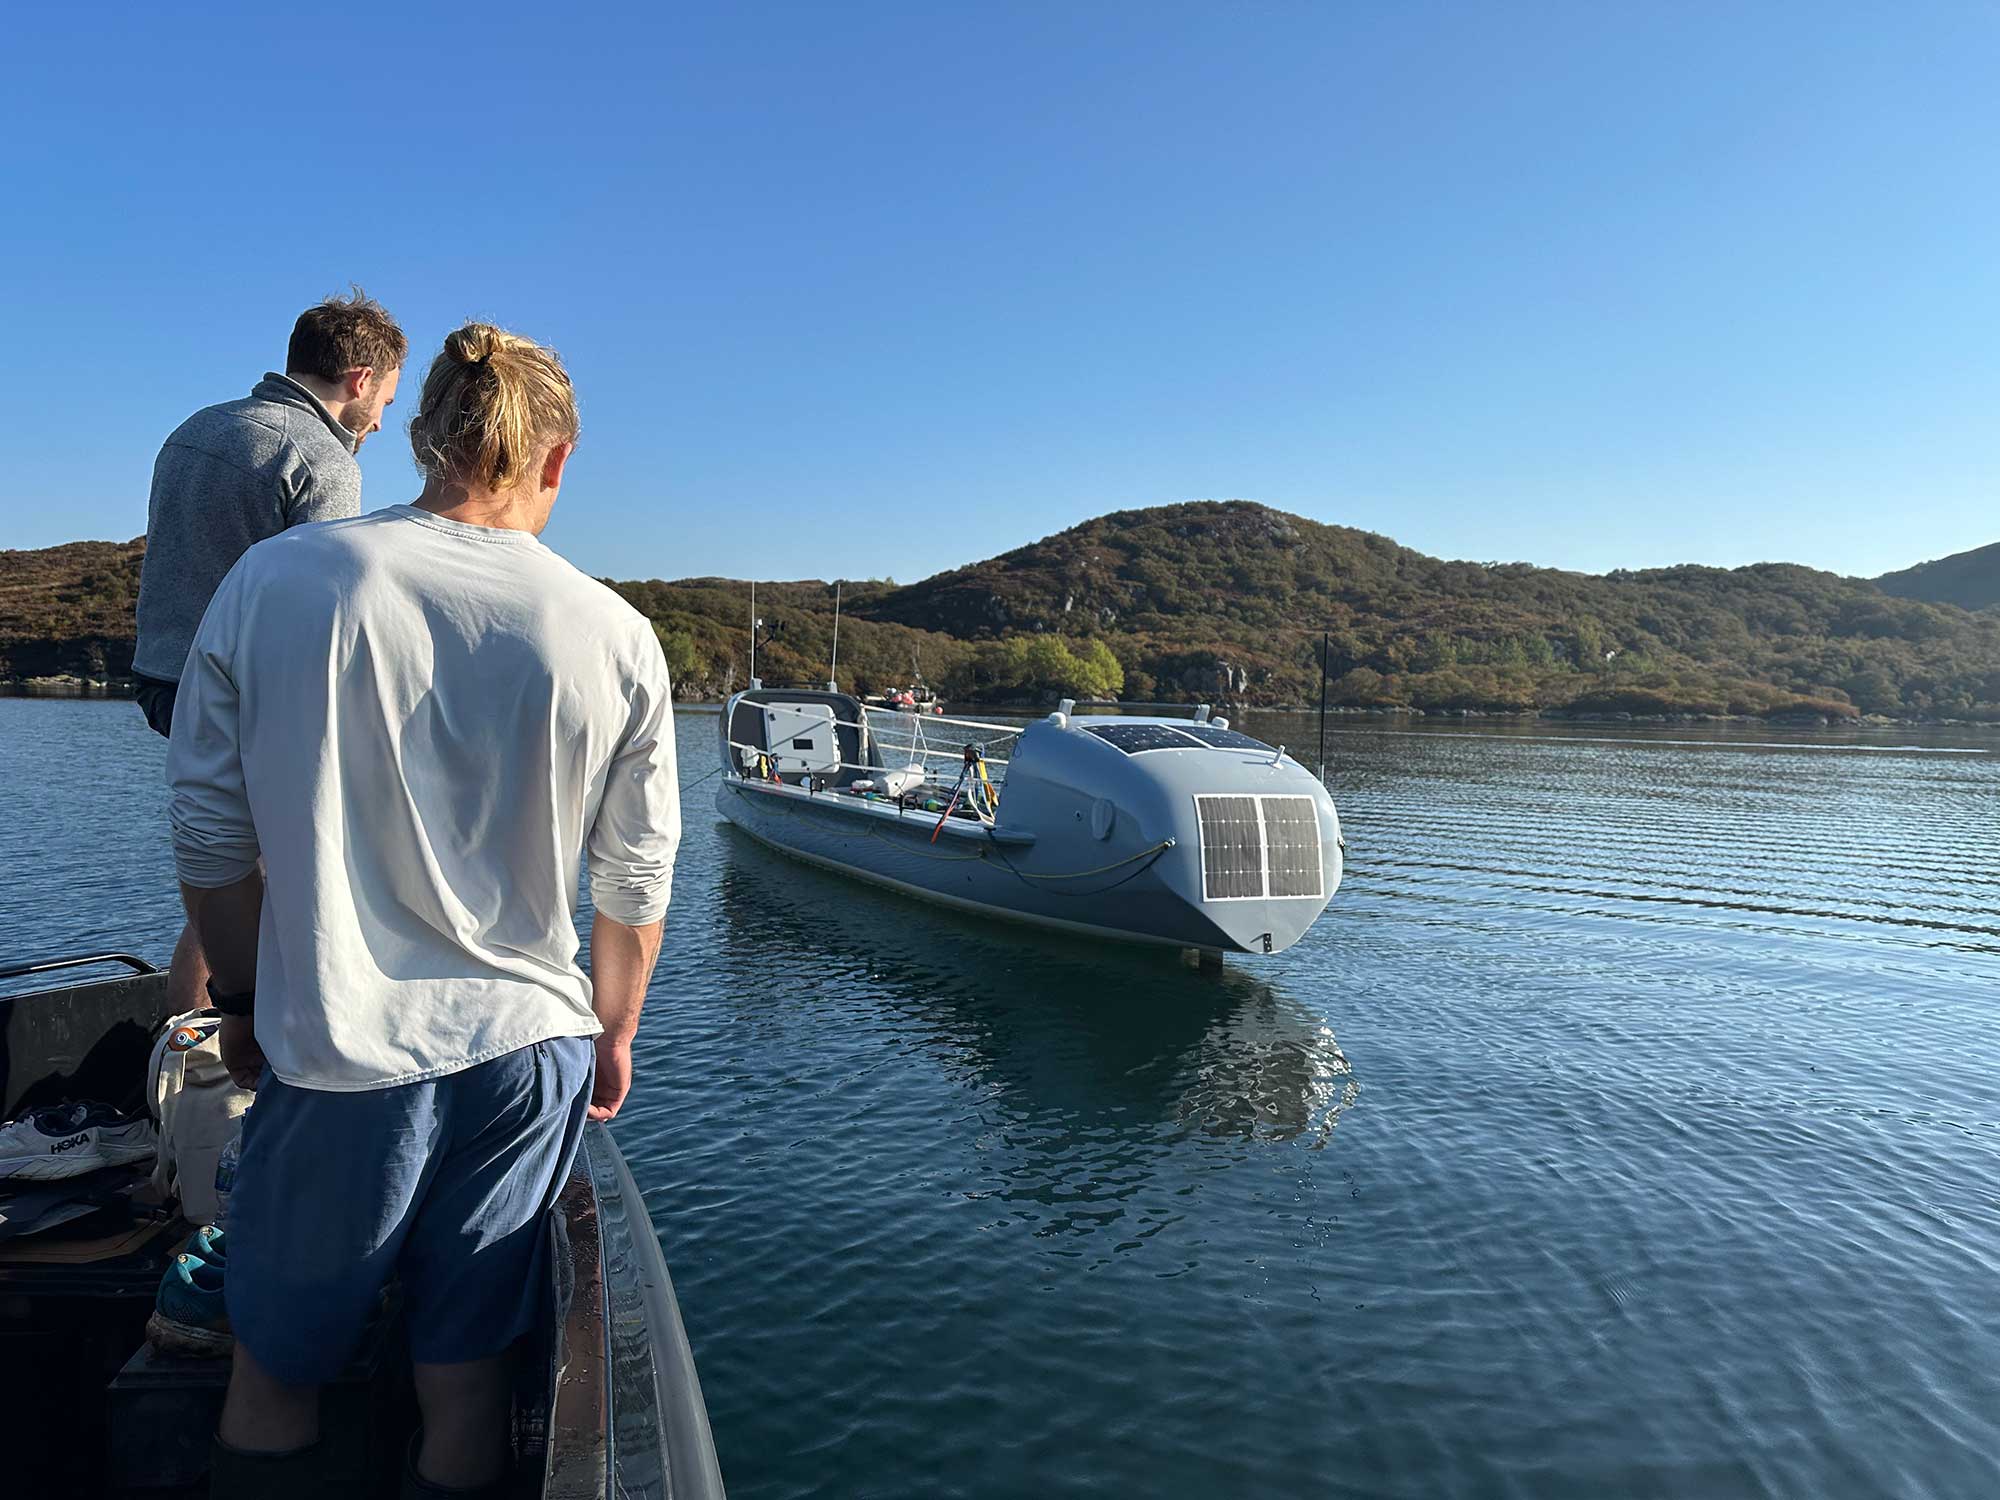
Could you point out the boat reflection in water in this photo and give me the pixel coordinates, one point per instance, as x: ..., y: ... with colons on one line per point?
x: 1056, y: 1031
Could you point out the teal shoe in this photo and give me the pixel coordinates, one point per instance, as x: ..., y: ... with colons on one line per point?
x: 210, y: 1244
x: 190, y: 1316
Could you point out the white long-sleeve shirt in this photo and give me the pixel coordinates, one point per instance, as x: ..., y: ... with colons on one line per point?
x: 420, y: 726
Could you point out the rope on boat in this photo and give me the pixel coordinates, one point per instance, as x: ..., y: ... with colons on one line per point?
x: 952, y: 801
x: 1150, y: 856
x: 1158, y: 849
x: 970, y: 777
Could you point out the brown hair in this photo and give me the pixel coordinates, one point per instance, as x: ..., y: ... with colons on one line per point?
x: 354, y: 332
x: 492, y: 403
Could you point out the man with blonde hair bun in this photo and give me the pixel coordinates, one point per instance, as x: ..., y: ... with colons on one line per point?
x: 420, y: 719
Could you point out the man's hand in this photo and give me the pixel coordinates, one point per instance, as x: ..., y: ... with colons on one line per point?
x: 241, y: 1054
x: 614, y: 1077
x: 621, y: 965
x: 225, y: 920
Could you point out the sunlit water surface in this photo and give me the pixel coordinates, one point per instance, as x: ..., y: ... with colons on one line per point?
x: 1626, y: 1128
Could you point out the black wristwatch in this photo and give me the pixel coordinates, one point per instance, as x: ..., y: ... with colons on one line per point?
x: 231, y: 1005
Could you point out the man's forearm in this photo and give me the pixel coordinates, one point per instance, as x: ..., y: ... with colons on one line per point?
x: 621, y: 966
x: 225, y: 919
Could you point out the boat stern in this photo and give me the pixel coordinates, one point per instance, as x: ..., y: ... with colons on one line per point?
x: 1254, y: 849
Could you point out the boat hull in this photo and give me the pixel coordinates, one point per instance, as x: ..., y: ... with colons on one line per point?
x: 1068, y: 885
x: 977, y: 897
x: 1132, y: 829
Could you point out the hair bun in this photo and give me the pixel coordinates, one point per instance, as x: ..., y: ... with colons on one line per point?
x: 476, y: 343
x: 470, y: 426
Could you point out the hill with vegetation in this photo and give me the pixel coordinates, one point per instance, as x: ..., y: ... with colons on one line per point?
x: 1228, y: 599
x: 1227, y: 602
x: 67, y: 611
x: 1971, y: 580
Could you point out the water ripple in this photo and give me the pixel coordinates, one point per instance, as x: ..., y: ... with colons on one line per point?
x: 1628, y: 1127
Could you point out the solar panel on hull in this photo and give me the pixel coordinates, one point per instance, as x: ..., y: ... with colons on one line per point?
x: 1232, y: 848
x: 1258, y: 847
x: 1291, y: 846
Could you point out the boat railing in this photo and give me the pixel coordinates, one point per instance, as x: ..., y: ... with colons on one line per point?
x: 956, y: 757
x: 922, y: 722
x: 979, y: 783
x: 50, y: 965
x: 901, y: 732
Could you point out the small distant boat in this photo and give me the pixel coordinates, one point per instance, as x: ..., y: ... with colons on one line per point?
x: 1180, y: 832
x: 910, y: 700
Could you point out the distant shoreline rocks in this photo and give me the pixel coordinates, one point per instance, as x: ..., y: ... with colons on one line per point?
x: 66, y: 686
x: 69, y: 686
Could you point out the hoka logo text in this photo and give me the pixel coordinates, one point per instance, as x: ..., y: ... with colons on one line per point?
x: 61, y: 1146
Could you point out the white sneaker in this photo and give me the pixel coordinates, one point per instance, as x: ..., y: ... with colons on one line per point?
x: 68, y: 1140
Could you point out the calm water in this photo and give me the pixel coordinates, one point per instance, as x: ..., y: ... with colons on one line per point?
x: 1628, y: 1127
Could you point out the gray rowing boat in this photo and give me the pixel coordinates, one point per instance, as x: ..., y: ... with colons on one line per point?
x: 1179, y: 832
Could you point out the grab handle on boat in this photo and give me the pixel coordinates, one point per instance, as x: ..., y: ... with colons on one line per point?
x: 16, y: 971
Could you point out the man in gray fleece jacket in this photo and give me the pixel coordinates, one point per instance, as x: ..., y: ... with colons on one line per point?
x: 234, y: 474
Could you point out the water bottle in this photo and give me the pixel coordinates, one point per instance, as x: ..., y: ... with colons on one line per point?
x: 225, y: 1172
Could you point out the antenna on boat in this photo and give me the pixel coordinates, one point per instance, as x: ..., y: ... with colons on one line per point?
x: 1325, y: 647
x: 833, y: 667
x: 755, y: 625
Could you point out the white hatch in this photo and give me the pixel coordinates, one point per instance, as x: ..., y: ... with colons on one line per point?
x: 802, y: 738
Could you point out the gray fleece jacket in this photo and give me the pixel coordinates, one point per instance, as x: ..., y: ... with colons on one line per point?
x: 228, y: 477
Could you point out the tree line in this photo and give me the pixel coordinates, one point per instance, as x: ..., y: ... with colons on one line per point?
x: 1230, y: 602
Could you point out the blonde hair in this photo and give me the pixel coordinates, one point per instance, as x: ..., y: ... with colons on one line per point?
x: 492, y: 403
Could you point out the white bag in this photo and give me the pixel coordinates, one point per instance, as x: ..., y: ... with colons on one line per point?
x: 196, y: 1105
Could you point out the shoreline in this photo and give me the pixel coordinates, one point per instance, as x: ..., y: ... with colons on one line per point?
x: 69, y: 687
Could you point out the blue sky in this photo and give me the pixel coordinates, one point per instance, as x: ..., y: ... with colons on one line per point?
x: 873, y: 289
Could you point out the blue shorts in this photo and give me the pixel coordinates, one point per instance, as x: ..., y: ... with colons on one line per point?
x: 449, y: 1182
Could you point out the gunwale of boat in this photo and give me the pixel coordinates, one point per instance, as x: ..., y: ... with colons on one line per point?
x: 891, y: 813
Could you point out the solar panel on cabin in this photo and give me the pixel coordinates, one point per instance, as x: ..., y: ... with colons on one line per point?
x: 1291, y: 844
x: 1222, y: 739
x: 1134, y: 738
x: 1232, y: 848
